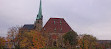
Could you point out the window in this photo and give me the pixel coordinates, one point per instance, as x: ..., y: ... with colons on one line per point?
x: 60, y: 22
x: 61, y: 29
x: 37, y: 21
x: 54, y: 43
x: 54, y: 21
x: 55, y: 29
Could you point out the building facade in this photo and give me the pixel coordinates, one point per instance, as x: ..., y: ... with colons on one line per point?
x: 54, y: 29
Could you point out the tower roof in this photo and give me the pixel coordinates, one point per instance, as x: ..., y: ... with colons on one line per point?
x: 39, y: 16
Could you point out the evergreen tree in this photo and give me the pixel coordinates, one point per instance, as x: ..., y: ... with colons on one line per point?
x: 70, y: 39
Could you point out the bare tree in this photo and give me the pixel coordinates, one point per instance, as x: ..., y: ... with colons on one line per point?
x: 12, y: 34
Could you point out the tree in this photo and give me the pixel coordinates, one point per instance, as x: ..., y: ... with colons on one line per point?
x: 30, y: 39
x: 24, y: 40
x: 2, y: 42
x: 87, y: 42
x: 70, y: 39
x: 12, y: 33
x: 38, y: 40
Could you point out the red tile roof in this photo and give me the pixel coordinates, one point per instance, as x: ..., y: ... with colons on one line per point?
x: 56, y: 25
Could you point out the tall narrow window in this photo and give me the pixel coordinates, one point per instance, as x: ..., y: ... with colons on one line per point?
x: 54, y: 22
x: 55, y: 29
x: 54, y: 43
x: 60, y: 22
x: 61, y: 29
x: 38, y: 21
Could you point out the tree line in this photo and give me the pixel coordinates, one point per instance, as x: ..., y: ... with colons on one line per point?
x: 36, y: 40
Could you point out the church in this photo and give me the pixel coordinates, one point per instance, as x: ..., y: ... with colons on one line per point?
x: 54, y: 28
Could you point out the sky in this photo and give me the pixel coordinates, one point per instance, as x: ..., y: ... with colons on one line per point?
x: 84, y: 16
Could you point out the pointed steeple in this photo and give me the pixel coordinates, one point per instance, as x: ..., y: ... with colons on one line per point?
x: 39, y: 16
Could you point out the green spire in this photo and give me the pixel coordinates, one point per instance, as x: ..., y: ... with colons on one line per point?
x: 39, y: 16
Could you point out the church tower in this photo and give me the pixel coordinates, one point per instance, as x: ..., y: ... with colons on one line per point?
x: 39, y: 19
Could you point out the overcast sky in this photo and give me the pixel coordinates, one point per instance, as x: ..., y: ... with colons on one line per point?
x: 84, y: 16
